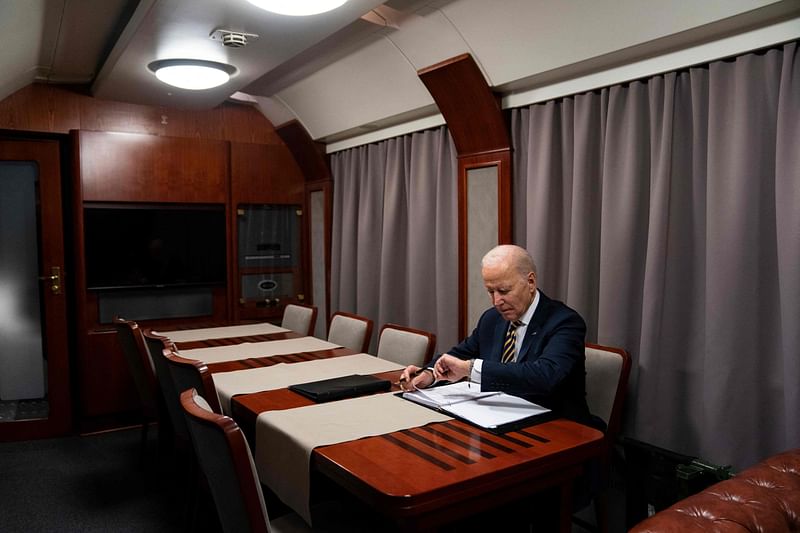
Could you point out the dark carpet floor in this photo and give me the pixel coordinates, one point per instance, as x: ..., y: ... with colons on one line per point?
x: 88, y: 483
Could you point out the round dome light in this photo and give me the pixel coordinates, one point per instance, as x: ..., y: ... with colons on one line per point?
x: 297, y: 8
x: 192, y: 74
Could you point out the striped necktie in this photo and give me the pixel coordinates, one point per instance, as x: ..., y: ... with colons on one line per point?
x: 510, y: 345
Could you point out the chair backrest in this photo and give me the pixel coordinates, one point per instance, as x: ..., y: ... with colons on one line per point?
x: 405, y: 346
x: 607, y: 371
x: 351, y: 331
x: 156, y: 346
x: 139, y: 362
x: 300, y: 318
x: 192, y: 374
x: 225, y: 458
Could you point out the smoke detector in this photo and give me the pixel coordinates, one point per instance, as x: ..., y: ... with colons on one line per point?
x: 232, y: 39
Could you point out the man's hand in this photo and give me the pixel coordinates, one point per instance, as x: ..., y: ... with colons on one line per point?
x: 451, y: 368
x: 414, y: 377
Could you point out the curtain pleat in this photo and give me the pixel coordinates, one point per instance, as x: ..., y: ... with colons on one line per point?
x: 667, y: 211
x: 787, y: 217
x: 395, y: 233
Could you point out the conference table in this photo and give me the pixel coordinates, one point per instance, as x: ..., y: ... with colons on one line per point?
x: 425, y: 477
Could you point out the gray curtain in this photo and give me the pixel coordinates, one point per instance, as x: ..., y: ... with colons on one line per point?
x: 395, y: 235
x: 667, y: 212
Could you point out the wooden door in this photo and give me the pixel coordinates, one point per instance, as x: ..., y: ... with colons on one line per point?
x: 34, y: 370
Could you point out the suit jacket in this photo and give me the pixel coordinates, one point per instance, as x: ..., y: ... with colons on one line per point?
x: 549, y: 369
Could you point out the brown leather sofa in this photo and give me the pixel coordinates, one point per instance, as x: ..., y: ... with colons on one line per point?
x: 763, y: 498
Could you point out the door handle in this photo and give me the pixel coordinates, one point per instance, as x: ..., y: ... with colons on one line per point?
x: 55, y: 280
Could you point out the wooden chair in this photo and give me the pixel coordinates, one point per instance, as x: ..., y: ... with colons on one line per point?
x: 227, y: 462
x: 157, y: 345
x: 607, y: 372
x: 351, y: 331
x: 160, y: 348
x: 192, y: 374
x: 141, y: 367
x: 300, y: 318
x: 405, y: 346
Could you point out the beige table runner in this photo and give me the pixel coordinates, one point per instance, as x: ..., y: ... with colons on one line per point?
x: 229, y: 384
x: 223, y: 332
x: 235, y: 352
x: 285, y: 439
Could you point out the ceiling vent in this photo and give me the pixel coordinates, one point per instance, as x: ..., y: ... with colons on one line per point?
x: 232, y: 39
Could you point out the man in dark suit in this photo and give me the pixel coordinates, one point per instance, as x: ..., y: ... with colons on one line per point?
x: 527, y: 344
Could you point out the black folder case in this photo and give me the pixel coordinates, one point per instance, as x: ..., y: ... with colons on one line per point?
x: 327, y: 390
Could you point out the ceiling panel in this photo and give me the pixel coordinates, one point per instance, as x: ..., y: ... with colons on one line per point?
x: 21, y: 31
x: 515, y: 39
x: 164, y: 29
x: 83, y: 38
x: 427, y: 40
x: 371, y: 84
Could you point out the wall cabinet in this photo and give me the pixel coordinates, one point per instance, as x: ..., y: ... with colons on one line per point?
x: 267, y: 206
x: 269, y: 258
x: 261, y: 191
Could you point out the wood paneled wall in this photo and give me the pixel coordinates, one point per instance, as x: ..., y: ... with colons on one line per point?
x: 58, y: 109
x: 147, y: 168
x: 264, y: 174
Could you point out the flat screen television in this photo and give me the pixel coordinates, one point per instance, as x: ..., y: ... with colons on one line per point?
x: 154, y: 245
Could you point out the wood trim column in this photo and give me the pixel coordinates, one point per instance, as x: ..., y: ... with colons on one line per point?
x: 324, y: 187
x: 315, y: 166
x: 480, y: 134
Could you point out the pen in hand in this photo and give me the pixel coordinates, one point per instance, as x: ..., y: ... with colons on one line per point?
x: 416, y: 373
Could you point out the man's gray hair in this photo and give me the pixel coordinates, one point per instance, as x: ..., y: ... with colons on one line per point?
x: 517, y: 256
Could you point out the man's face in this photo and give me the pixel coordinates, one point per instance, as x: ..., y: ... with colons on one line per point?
x: 511, y: 292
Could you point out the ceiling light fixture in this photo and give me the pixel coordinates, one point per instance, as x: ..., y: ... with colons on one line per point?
x: 192, y: 74
x: 298, y: 8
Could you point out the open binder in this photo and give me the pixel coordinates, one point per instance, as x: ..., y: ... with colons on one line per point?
x: 493, y: 410
x: 327, y: 390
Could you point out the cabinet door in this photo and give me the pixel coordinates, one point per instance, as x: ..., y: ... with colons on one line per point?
x: 269, y: 259
x: 106, y: 382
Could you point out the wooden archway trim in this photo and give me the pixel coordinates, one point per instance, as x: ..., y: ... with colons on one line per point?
x: 470, y: 108
x: 314, y: 164
x: 309, y: 155
x: 480, y: 134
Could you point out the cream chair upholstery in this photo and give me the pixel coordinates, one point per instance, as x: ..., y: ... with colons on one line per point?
x: 607, y: 371
x: 405, y: 346
x: 299, y: 318
x: 351, y: 331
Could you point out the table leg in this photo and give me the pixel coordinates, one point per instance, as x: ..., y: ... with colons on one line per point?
x: 565, y: 513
